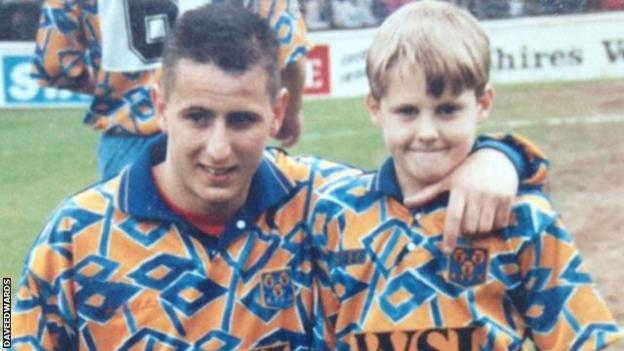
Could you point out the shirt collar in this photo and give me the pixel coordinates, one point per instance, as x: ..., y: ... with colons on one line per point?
x: 386, y: 182
x: 138, y: 195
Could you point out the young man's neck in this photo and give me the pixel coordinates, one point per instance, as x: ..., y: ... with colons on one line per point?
x: 178, y: 196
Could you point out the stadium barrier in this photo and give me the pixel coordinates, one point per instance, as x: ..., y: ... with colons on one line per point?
x: 533, y: 49
x: 18, y: 89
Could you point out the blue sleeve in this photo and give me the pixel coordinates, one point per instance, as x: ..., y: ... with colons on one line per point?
x: 529, y: 161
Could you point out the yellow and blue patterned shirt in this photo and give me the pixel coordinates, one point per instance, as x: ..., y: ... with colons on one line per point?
x: 116, y: 269
x: 76, y: 40
x: 386, y: 285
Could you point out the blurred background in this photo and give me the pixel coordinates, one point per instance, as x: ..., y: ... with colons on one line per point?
x: 18, y: 18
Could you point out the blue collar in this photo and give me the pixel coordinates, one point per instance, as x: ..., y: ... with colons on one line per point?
x: 385, y: 181
x: 138, y: 195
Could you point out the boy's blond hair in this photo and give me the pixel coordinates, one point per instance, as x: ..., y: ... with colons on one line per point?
x: 447, y: 42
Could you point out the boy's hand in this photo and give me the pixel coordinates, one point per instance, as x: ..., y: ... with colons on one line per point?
x: 482, y: 190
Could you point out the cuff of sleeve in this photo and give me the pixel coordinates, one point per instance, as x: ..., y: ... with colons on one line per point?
x: 516, y: 157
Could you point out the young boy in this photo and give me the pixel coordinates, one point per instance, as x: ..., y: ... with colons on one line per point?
x: 385, y: 282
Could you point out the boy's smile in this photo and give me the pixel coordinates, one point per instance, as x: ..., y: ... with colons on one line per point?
x: 427, y: 136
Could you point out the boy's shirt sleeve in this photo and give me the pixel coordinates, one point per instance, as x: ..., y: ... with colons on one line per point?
x: 60, y: 58
x: 560, y: 303
x: 44, y: 306
x: 530, y: 162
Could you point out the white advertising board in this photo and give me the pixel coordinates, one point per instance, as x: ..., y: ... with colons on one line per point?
x: 532, y: 49
x: 523, y: 50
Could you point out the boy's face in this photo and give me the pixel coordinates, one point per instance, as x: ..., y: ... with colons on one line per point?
x: 218, y: 124
x: 427, y: 136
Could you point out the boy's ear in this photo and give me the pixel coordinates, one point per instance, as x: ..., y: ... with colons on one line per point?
x: 279, y: 111
x: 485, y: 102
x: 160, y: 104
x: 373, y: 109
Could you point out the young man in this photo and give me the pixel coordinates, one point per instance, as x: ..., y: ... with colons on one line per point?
x: 201, y: 243
x: 112, y: 49
x: 386, y: 283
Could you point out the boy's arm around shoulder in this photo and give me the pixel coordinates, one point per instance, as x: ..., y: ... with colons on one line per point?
x: 562, y: 306
x: 483, y: 187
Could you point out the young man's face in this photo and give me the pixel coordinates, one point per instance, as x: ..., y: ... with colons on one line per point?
x: 218, y: 124
x: 427, y: 136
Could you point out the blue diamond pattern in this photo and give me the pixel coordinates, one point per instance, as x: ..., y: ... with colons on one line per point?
x: 209, y: 291
x: 550, y: 302
x: 175, y: 266
x: 574, y: 273
x: 420, y: 292
x: 106, y: 268
x: 114, y: 296
x: 129, y: 226
x: 228, y: 342
x: 253, y: 303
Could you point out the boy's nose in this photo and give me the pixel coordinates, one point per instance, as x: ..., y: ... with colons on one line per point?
x: 426, y: 130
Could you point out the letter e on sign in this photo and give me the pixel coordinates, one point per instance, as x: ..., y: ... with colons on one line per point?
x: 317, y: 71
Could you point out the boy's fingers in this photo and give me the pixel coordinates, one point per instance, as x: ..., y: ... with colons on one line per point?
x: 452, y: 222
x: 472, y: 215
x: 503, y: 214
x: 488, y: 214
x: 428, y: 193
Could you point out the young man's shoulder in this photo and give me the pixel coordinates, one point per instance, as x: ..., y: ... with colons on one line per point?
x: 303, y: 168
x: 87, y: 210
x: 354, y: 194
x: 95, y: 200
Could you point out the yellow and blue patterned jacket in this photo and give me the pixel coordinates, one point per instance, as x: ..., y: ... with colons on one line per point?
x: 116, y: 269
x: 69, y: 54
x: 384, y: 283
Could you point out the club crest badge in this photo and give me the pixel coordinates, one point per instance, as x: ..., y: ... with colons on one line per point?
x: 468, y: 266
x: 277, y: 289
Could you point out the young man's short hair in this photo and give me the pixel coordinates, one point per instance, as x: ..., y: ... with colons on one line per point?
x: 231, y: 37
x: 447, y: 42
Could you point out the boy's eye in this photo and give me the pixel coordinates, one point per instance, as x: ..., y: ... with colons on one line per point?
x: 242, y: 119
x: 447, y: 109
x: 408, y: 110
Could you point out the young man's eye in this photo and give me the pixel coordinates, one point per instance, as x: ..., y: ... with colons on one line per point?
x: 199, y: 116
x: 241, y: 119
